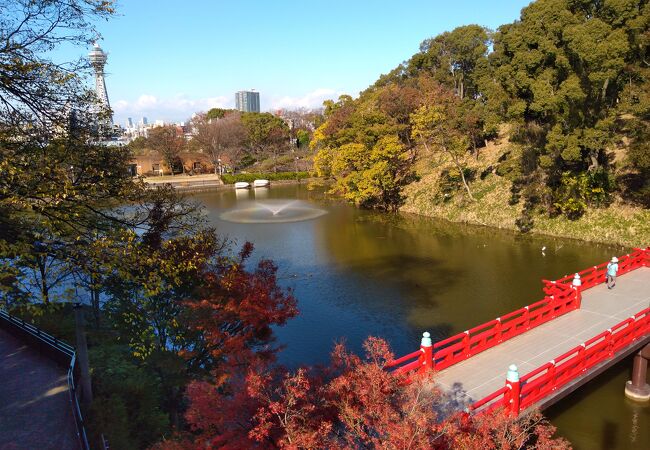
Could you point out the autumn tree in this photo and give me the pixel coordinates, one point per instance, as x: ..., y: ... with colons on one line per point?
x: 372, y: 177
x: 220, y: 137
x: 169, y: 142
x: 352, y: 403
x: 436, y: 125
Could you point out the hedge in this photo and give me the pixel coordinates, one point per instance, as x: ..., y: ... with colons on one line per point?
x: 250, y: 177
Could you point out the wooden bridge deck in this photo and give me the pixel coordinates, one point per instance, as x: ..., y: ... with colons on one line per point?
x: 483, y: 374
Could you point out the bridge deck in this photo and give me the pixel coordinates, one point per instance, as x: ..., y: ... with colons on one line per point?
x: 483, y: 374
x: 35, y: 410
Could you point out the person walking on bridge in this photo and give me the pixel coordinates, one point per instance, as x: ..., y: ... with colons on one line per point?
x: 612, y: 269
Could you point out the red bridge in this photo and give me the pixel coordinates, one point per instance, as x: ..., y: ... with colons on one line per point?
x: 549, y: 348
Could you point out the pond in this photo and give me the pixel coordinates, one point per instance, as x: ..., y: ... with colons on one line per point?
x: 360, y: 273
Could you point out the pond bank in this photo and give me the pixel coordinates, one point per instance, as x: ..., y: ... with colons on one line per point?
x: 618, y: 224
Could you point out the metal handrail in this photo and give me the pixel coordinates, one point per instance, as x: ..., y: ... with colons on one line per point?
x: 69, y: 351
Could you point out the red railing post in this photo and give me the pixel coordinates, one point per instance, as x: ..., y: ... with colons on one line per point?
x: 514, y: 389
x: 610, y: 343
x: 551, y: 374
x: 527, y: 318
x: 497, y: 330
x: 426, y: 347
x: 582, y: 363
x: 553, y: 304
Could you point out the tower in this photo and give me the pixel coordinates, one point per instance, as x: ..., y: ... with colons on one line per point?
x: 98, y: 60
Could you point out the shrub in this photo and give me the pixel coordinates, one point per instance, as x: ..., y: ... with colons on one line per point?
x: 577, y: 191
x: 250, y: 177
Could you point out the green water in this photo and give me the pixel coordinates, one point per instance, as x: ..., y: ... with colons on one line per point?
x: 359, y: 273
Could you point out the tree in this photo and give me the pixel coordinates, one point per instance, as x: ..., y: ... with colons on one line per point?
x: 353, y: 403
x: 218, y: 113
x: 35, y: 92
x: 266, y: 134
x: 566, y: 66
x: 372, y: 177
x: 454, y: 58
x: 138, y: 145
x: 220, y: 137
x: 169, y: 143
x: 436, y: 123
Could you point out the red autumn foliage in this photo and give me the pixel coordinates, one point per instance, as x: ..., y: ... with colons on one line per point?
x: 235, y: 313
x: 353, y: 403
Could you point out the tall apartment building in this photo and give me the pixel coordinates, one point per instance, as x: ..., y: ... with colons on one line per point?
x: 247, y: 101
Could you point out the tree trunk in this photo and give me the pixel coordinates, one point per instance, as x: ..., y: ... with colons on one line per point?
x: 45, y: 289
x: 604, y: 91
x: 462, y: 174
x: 593, y: 155
x: 94, y: 293
x: 82, y: 357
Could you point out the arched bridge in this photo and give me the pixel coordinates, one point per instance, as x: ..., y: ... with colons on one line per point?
x: 551, y: 347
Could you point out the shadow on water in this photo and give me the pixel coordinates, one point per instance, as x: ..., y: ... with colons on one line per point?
x: 601, y: 405
x: 609, y: 435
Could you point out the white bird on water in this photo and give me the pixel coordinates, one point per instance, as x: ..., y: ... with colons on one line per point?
x: 543, y: 248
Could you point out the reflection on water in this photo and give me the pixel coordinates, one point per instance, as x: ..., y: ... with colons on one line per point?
x: 358, y: 273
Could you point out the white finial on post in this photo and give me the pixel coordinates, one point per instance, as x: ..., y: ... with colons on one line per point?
x: 426, y: 347
x: 576, y: 280
x: 512, y: 397
x: 513, y: 373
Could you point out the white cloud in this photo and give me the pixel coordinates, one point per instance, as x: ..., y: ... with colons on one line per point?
x: 174, y: 109
x: 313, y: 99
x: 181, y: 107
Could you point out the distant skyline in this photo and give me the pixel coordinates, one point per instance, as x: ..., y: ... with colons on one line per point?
x: 167, y: 60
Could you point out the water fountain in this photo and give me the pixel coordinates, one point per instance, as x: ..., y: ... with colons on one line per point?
x: 272, y: 211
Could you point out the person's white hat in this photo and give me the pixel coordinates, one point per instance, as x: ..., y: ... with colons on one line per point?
x: 614, y: 259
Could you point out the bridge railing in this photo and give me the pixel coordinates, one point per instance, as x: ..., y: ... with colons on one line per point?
x: 561, y: 297
x: 595, y: 275
x: 62, y: 353
x: 543, y: 381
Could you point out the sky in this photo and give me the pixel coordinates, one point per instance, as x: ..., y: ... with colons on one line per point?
x: 168, y: 59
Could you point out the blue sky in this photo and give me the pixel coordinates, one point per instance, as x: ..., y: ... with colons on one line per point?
x: 168, y: 59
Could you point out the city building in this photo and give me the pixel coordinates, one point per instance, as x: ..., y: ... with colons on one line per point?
x: 247, y: 101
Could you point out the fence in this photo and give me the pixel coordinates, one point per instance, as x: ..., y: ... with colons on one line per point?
x: 58, y: 350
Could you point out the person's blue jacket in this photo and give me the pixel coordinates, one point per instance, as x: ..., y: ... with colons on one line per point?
x: 612, y: 268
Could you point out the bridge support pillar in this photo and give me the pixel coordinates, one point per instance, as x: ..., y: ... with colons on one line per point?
x: 638, y: 389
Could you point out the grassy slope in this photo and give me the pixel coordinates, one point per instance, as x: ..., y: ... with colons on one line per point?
x: 619, y: 224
